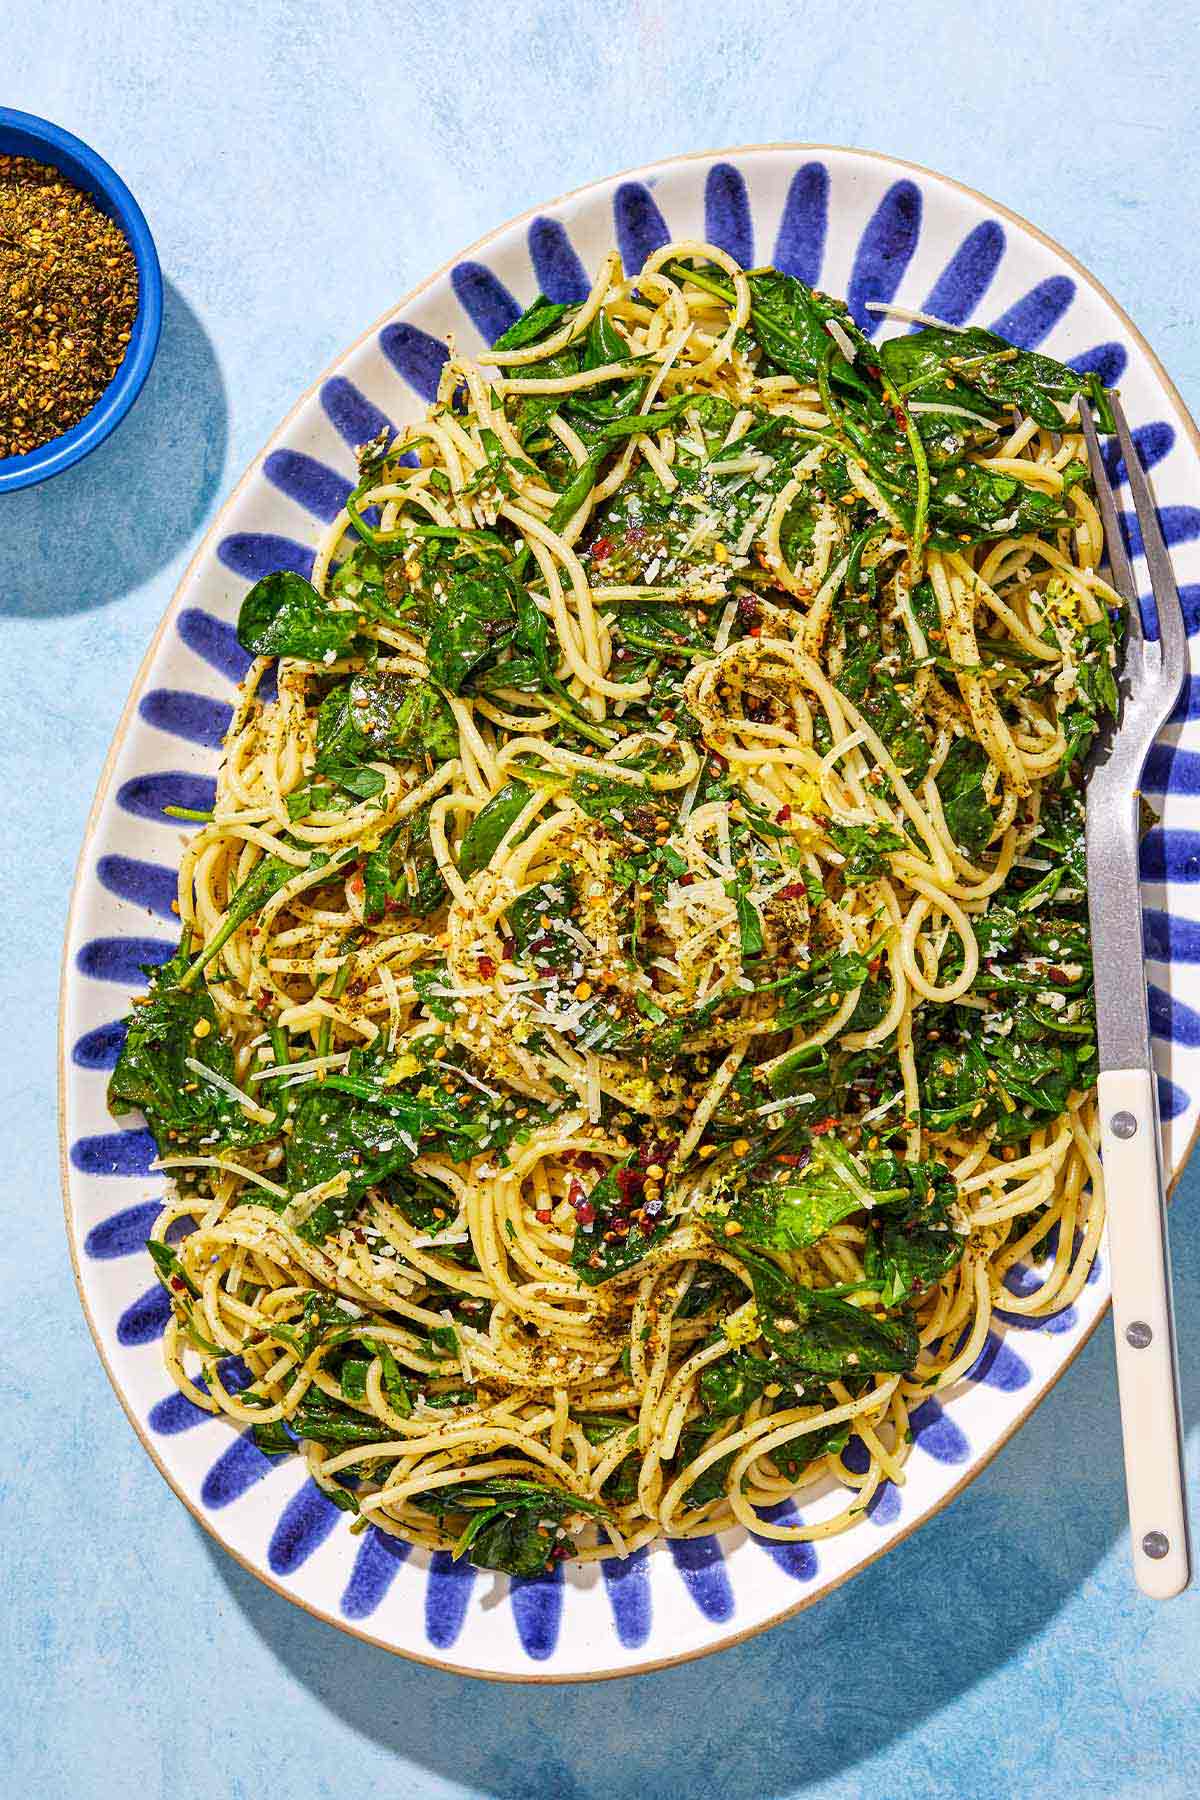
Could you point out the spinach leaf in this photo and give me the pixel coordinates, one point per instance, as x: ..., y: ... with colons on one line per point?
x: 395, y: 1384
x: 866, y: 849
x: 512, y: 1523
x: 819, y: 1334
x: 176, y: 1023
x: 475, y: 622
x: 383, y: 717
x: 786, y: 1210
x: 1095, y: 696
x: 977, y: 368
x: 482, y: 836
x: 968, y: 504
x: 912, y: 1245
x: 536, y: 322
x: 284, y: 615
x: 960, y: 787
x: 728, y: 1386
x: 546, y: 947
x: 612, y: 1235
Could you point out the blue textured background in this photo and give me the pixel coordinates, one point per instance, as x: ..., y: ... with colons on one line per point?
x: 301, y: 164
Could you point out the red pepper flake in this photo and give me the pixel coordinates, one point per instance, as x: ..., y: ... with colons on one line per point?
x: 602, y: 549
x: 783, y: 815
x: 179, y: 1286
x: 356, y: 883
x: 687, y: 879
x: 1060, y: 978
x: 542, y: 1215
x: 792, y: 891
x: 630, y: 1183
x: 823, y: 1125
x: 486, y: 966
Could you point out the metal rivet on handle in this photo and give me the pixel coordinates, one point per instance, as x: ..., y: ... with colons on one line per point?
x: 1138, y: 1334
x: 1124, y: 1125
x: 1156, y: 1544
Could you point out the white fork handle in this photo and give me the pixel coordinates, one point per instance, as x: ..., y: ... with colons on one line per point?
x: 1147, y: 1371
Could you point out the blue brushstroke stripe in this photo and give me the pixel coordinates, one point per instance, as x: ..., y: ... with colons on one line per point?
x: 1170, y: 855
x: 239, y: 1468
x: 884, y: 252
x: 176, y: 1413
x: 355, y: 418
x: 305, y: 1523
x: 935, y: 1432
x: 415, y: 356
x: 147, y: 884
x: 727, y: 218
x: 537, y: 1605
x: 214, y: 640
x: 641, y: 228
x: 967, y: 276
x: 797, y: 1559
x: 485, y: 299
x: 627, y: 1579
x: 1172, y: 1018
x: 253, y: 554
x: 1178, y: 524
x: 194, y: 717
x: 883, y: 1508
x: 123, y: 1233
x: 1152, y: 443
x: 122, y: 959
x: 561, y: 275
x: 1168, y: 938
x: 1172, y: 1099
x: 999, y: 1366
x: 1171, y: 770
x: 145, y: 796
x: 1188, y: 704
x: 379, y: 1557
x: 447, y: 1595
x: 120, y: 1153
x: 313, y: 485
x: 1106, y: 360
x: 100, y: 1048
x: 1035, y: 315
x: 800, y: 245
x: 702, y: 1566
x: 145, y: 1320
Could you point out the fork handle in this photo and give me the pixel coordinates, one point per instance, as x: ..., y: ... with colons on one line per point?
x: 1147, y: 1370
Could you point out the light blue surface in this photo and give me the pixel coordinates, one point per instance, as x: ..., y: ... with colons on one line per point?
x: 300, y: 169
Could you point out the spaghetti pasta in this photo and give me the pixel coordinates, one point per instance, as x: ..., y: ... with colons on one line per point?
x: 634, y: 1008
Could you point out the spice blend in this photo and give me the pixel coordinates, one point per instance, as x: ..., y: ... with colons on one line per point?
x: 68, y: 300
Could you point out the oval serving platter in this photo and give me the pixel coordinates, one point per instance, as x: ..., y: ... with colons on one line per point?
x: 857, y: 224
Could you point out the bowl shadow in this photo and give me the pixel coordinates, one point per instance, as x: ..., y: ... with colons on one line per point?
x: 100, y: 529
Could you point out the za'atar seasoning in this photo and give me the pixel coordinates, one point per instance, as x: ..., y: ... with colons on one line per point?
x: 68, y: 300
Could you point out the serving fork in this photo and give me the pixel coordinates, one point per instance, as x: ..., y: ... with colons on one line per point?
x: 1151, y: 677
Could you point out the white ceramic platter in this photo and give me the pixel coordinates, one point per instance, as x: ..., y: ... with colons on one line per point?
x: 859, y: 225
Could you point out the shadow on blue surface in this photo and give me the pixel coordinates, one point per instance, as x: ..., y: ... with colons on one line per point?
x: 93, y: 534
x: 972, y: 1591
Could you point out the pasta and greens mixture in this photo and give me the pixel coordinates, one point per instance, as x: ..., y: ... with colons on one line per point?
x: 634, y: 1003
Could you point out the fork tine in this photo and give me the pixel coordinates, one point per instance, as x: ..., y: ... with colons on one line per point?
x: 1172, y: 635
x: 1110, y: 518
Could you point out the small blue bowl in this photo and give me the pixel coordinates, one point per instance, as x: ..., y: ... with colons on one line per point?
x: 21, y: 134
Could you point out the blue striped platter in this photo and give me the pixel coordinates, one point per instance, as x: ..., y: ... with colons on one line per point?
x: 859, y: 225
